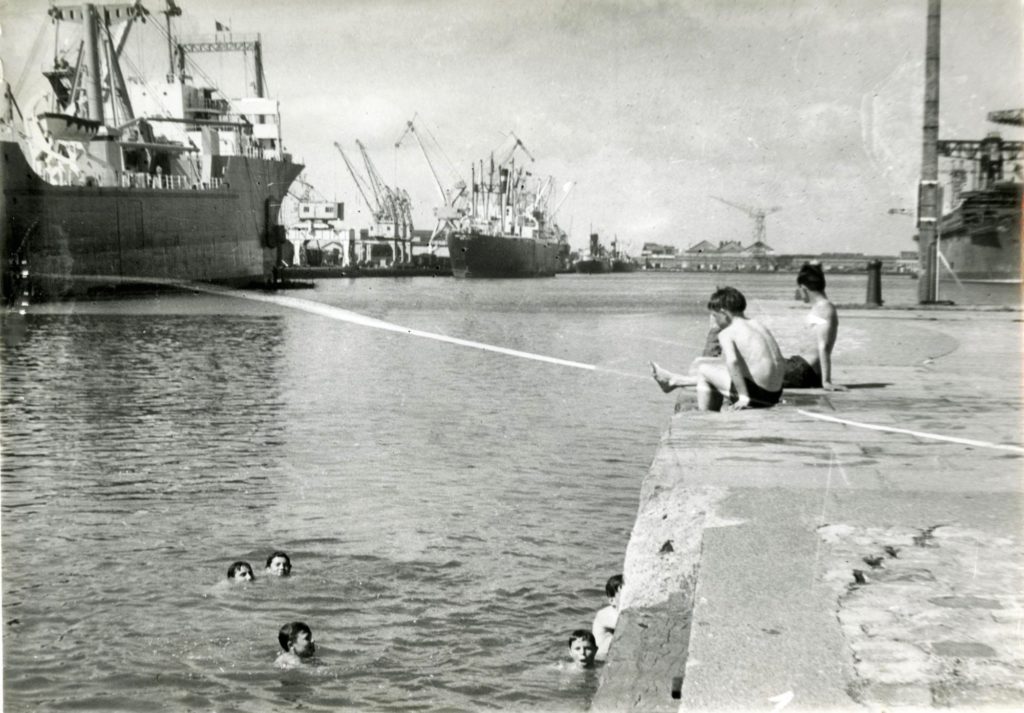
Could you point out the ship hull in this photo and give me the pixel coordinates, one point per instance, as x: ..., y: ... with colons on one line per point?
x: 623, y: 266
x: 483, y: 255
x: 67, y: 241
x: 981, y: 238
x: 592, y: 267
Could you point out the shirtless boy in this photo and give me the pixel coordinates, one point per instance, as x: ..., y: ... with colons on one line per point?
x: 604, y: 621
x: 750, y: 370
x: 812, y: 368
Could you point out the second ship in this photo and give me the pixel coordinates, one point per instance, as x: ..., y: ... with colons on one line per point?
x: 508, y: 229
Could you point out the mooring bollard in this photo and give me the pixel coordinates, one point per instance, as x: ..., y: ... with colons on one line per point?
x: 874, y: 283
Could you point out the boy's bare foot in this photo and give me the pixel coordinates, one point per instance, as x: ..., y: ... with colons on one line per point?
x: 663, y: 378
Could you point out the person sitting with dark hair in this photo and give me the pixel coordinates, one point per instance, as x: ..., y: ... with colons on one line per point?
x: 812, y: 367
x: 750, y: 370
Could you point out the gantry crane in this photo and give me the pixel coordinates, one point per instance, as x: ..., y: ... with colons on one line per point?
x: 758, y: 214
x: 451, y: 209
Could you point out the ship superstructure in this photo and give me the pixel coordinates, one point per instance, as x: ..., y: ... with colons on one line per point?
x: 112, y: 180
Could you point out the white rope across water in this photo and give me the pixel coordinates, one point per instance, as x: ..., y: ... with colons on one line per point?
x: 356, y: 318
x: 908, y: 432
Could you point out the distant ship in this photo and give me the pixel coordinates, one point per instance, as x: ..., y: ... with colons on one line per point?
x: 121, y: 181
x: 508, y: 229
x: 979, y: 236
x: 595, y: 261
x: 621, y: 262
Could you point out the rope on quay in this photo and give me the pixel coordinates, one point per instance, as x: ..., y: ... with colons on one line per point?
x: 918, y: 434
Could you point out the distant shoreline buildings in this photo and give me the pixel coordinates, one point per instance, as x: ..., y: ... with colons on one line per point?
x: 732, y: 256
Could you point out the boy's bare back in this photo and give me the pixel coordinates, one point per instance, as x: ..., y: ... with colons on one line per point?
x: 756, y: 351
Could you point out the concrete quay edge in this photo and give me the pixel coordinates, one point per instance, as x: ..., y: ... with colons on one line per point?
x: 779, y: 561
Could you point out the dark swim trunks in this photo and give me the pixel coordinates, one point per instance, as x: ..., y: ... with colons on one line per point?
x: 800, y: 374
x: 759, y: 398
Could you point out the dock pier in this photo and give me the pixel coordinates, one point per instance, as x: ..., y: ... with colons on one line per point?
x: 842, y: 550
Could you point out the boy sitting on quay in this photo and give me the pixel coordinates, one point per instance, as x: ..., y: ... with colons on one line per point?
x: 750, y: 370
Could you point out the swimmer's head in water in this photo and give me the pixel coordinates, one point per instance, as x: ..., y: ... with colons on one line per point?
x: 582, y: 647
x: 279, y: 565
x: 297, y: 638
x: 612, y: 587
x: 240, y: 572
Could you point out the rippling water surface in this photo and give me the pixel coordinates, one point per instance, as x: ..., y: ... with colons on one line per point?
x: 451, y: 513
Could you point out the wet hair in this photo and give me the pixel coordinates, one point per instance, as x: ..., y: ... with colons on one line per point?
x: 287, y: 561
x: 614, y: 584
x: 584, y: 635
x: 289, y: 634
x: 812, y: 277
x: 727, y: 299
x: 236, y: 567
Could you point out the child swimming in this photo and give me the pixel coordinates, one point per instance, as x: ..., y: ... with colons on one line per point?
x: 279, y: 565
x: 582, y: 649
x: 240, y: 572
x: 297, y: 641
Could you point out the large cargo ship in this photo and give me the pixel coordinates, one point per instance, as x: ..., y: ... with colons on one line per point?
x: 111, y: 181
x: 980, y: 230
x: 508, y: 229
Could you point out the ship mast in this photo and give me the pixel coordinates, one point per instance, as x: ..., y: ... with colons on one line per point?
x: 171, y: 11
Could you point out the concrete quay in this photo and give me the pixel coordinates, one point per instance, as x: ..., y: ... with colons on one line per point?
x: 782, y: 561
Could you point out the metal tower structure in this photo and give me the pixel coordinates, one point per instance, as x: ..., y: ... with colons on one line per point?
x: 758, y: 214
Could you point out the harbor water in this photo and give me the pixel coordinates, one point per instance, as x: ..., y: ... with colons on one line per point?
x: 451, y: 513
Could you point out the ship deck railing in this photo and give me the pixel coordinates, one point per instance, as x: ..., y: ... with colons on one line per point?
x: 140, y: 180
x: 175, y: 182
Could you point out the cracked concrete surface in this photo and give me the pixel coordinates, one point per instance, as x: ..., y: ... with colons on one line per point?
x: 824, y: 566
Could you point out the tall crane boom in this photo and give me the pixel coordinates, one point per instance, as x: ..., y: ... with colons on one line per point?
x: 1010, y: 117
x: 357, y: 180
x: 509, y: 153
x: 385, y: 199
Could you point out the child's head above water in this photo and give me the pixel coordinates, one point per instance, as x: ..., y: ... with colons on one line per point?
x: 582, y: 647
x: 612, y: 587
x: 240, y: 572
x: 297, y: 638
x: 279, y: 565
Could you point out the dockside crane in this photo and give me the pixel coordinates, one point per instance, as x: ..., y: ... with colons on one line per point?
x: 451, y: 209
x: 387, y: 203
x: 758, y: 214
x: 392, y: 214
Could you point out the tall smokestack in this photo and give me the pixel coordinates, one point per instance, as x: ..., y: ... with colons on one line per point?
x: 929, y: 208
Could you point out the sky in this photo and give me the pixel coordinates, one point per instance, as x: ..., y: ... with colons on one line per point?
x: 650, y: 107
